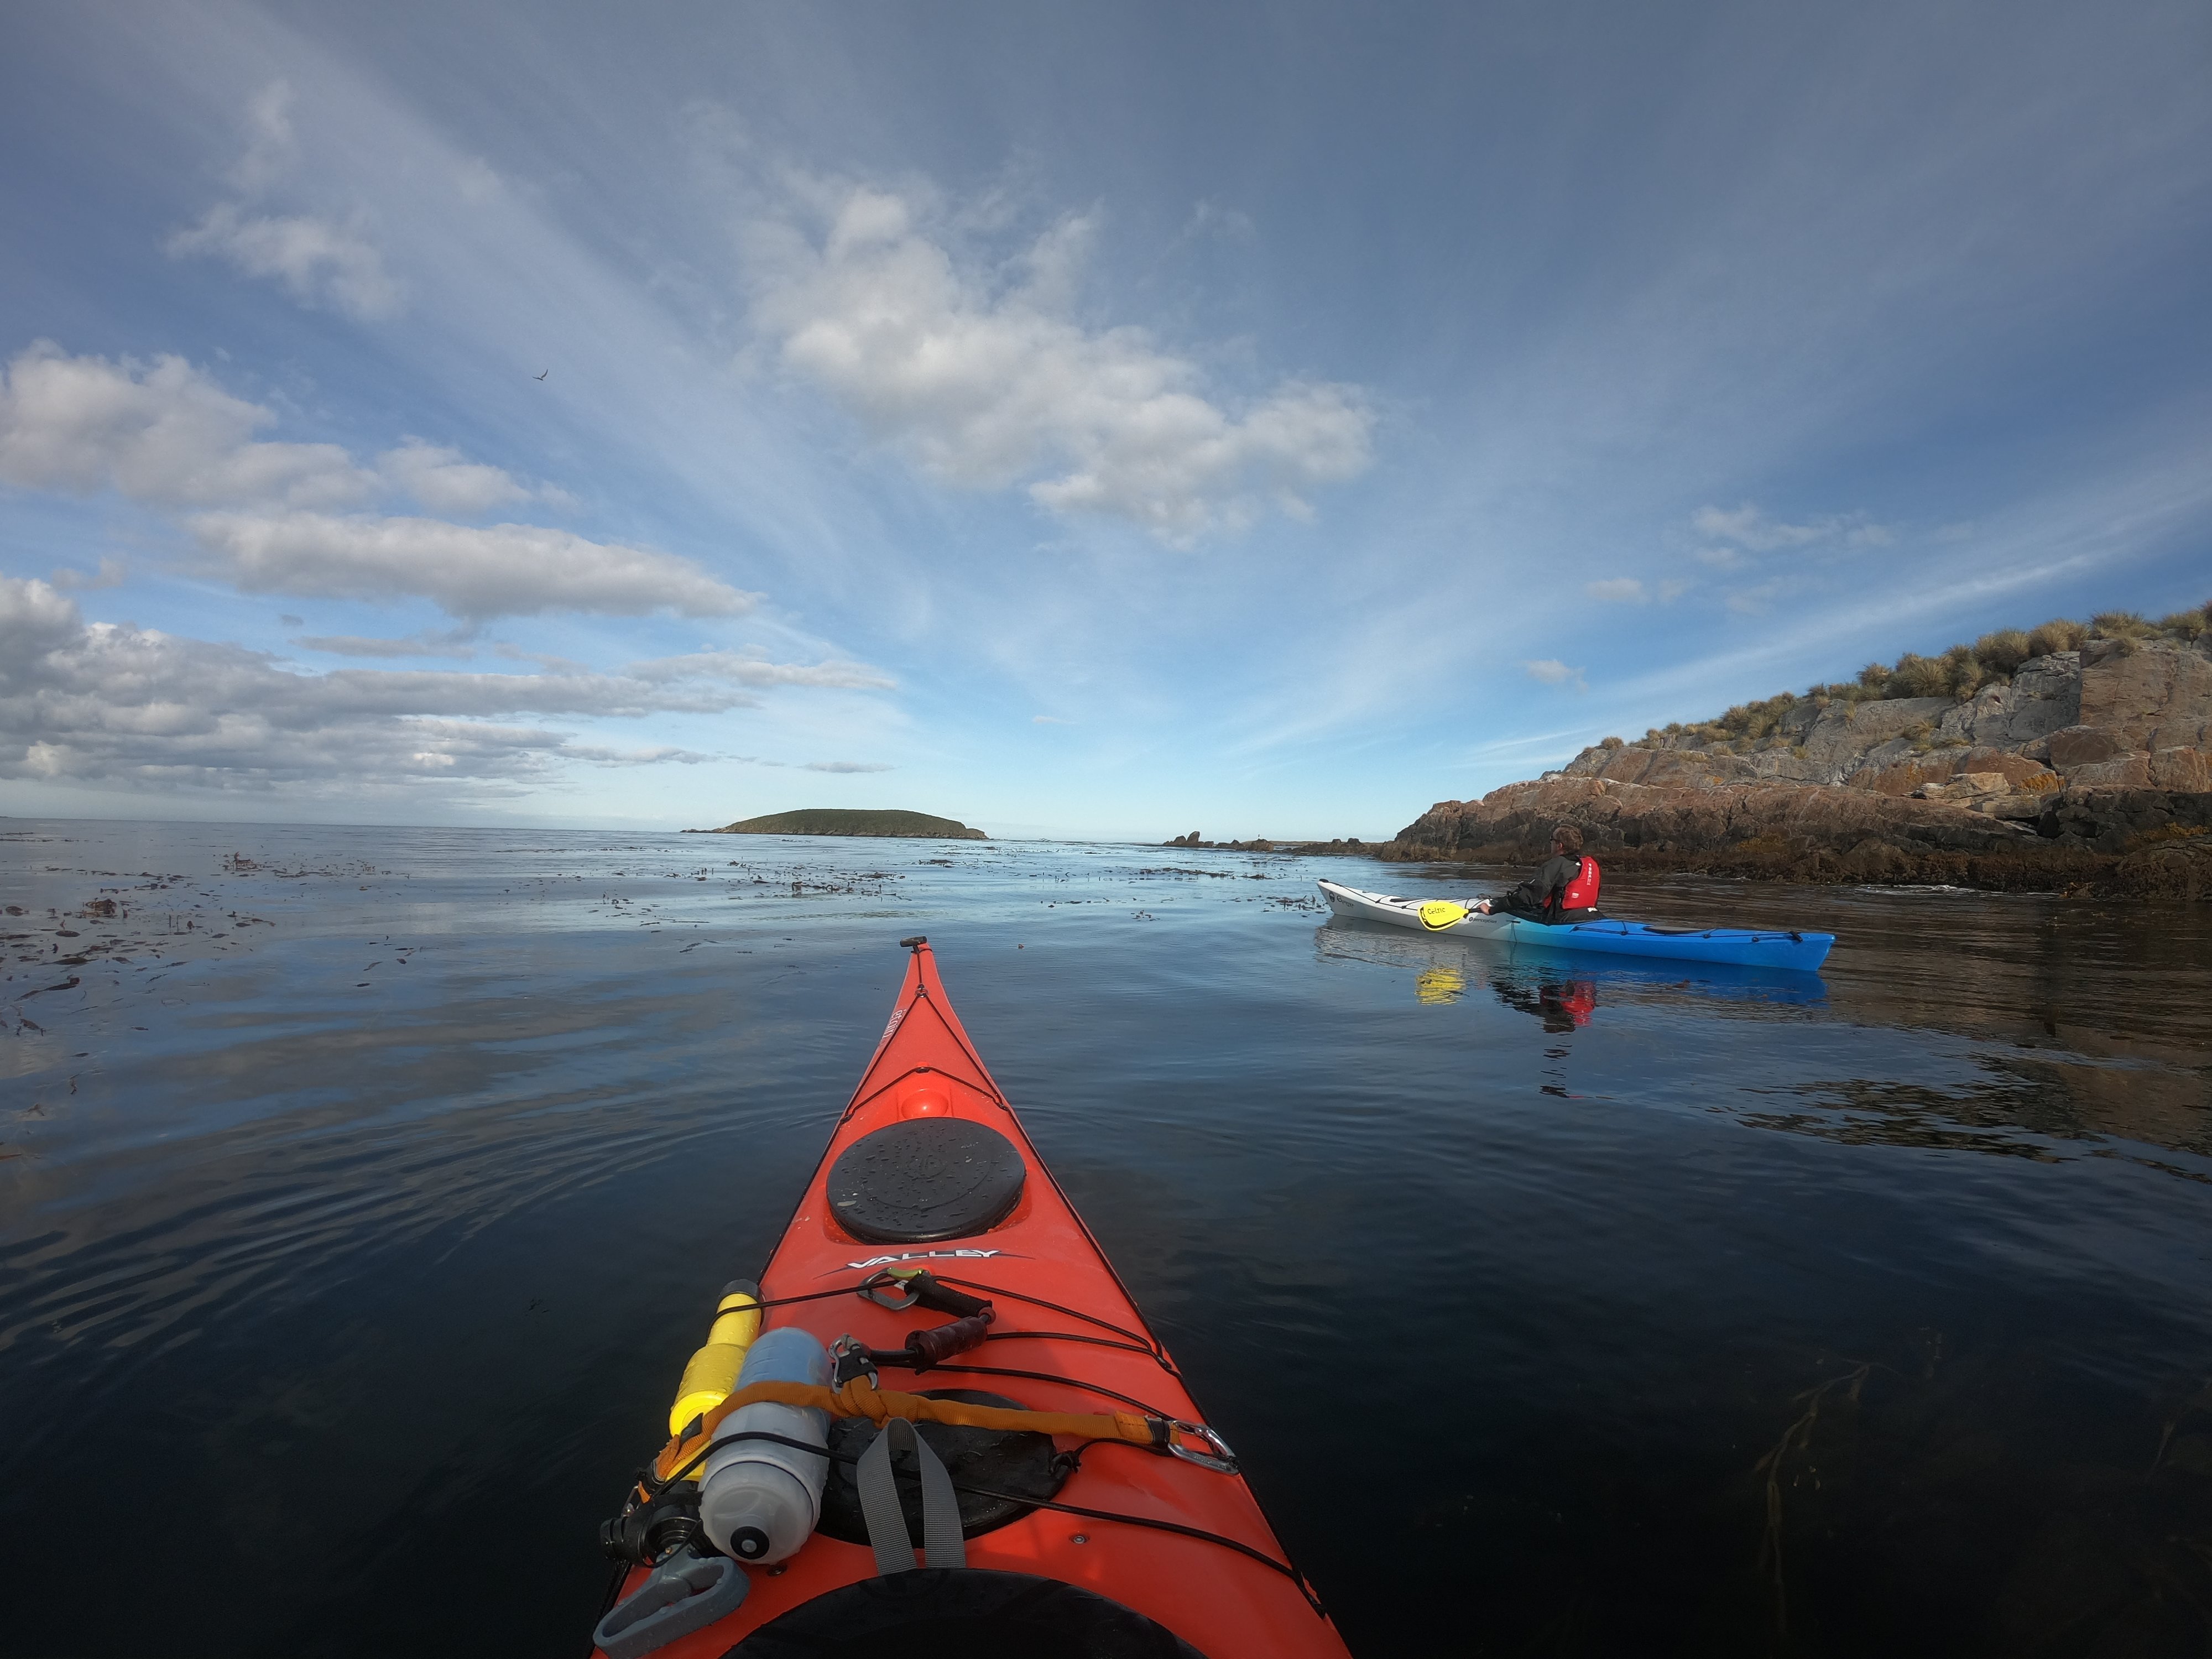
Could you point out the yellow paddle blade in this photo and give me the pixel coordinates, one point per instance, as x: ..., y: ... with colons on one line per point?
x: 1439, y: 914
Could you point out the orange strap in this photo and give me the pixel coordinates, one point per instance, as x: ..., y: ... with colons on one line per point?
x: 861, y: 1398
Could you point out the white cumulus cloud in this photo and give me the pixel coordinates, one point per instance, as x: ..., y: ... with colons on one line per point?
x: 318, y: 259
x: 473, y: 572
x: 166, y: 435
x: 135, y: 707
x: 446, y: 481
x: 984, y: 379
x: 272, y: 147
x: 160, y: 433
x: 1550, y: 670
x: 1617, y: 590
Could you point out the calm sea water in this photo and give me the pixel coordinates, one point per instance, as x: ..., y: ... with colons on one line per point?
x: 363, y: 1194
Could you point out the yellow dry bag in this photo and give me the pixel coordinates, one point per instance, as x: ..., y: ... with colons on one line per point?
x: 714, y: 1370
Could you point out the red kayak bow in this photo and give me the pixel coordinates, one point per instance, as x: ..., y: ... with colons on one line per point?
x: 964, y: 1304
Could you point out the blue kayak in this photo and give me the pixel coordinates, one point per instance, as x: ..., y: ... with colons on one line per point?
x: 1740, y: 947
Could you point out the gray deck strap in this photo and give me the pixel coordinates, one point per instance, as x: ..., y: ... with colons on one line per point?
x: 887, y: 1518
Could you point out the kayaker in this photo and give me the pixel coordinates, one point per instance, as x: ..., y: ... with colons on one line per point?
x: 1564, y: 889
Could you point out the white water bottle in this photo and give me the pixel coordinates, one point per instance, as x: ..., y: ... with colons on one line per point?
x: 758, y: 1499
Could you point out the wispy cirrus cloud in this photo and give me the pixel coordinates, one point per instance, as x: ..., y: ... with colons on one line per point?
x: 453, y: 644
x: 981, y: 374
x: 1748, y: 526
x: 1633, y: 590
x: 661, y: 754
x: 1731, y: 533
x: 1757, y: 598
x: 742, y: 668
x: 837, y: 766
x: 110, y: 574
x: 1737, y: 538
x: 1618, y: 590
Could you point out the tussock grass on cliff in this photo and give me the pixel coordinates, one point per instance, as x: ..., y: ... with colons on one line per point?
x: 2187, y: 624
x: 2003, y: 651
x: 1960, y: 672
x: 2057, y: 634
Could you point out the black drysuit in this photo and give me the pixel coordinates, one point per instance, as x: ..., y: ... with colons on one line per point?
x: 1528, y: 900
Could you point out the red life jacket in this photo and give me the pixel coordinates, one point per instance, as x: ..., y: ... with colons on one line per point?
x: 1581, y: 893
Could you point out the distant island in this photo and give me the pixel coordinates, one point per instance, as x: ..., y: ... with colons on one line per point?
x: 847, y: 821
x: 2074, y: 758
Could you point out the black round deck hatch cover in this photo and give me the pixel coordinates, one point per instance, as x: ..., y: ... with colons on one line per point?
x: 1015, y: 1461
x: 926, y: 1179
x: 962, y: 1612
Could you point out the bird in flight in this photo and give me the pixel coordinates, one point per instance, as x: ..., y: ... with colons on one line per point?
x: 540, y: 377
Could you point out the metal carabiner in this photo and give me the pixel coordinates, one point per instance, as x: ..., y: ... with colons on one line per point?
x: 850, y: 1357
x: 1225, y: 1463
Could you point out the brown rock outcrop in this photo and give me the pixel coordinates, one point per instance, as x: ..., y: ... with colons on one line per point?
x: 1515, y: 823
x: 2090, y: 771
x: 2184, y: 769
x: 2147, y: 843
x: 2082, y: 745
x: 2148, y: 696
x: 1903, y: 777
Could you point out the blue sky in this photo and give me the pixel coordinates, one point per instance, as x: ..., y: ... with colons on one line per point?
x: 1096, y: 419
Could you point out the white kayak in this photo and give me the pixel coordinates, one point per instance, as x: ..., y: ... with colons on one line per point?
x: 1739, y: 946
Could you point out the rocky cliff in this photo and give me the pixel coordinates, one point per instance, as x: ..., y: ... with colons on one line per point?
x: 2082, y: 769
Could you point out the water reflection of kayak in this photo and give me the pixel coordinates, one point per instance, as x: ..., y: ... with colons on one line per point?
x: 1739, y: 946
x: 1444, y: 970
x: 1065, y: 1493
